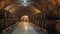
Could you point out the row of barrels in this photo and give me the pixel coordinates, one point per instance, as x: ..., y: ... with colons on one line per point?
x: 6, y: 20
x: 47, y: 23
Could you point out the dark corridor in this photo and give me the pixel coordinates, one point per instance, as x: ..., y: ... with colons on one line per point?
x: 29, y: 16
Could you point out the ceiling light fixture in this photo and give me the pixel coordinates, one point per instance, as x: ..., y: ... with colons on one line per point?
x: 25, y: 2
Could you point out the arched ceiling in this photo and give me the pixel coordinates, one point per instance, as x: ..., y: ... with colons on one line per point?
x: 37, y: 6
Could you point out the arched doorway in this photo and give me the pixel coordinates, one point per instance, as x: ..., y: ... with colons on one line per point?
x: 24, y: 18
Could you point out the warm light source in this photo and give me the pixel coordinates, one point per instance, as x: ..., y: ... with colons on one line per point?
x: 24, y: 18
x: 9, y: 7
x: 12, y: 10
x: 35, y: 10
